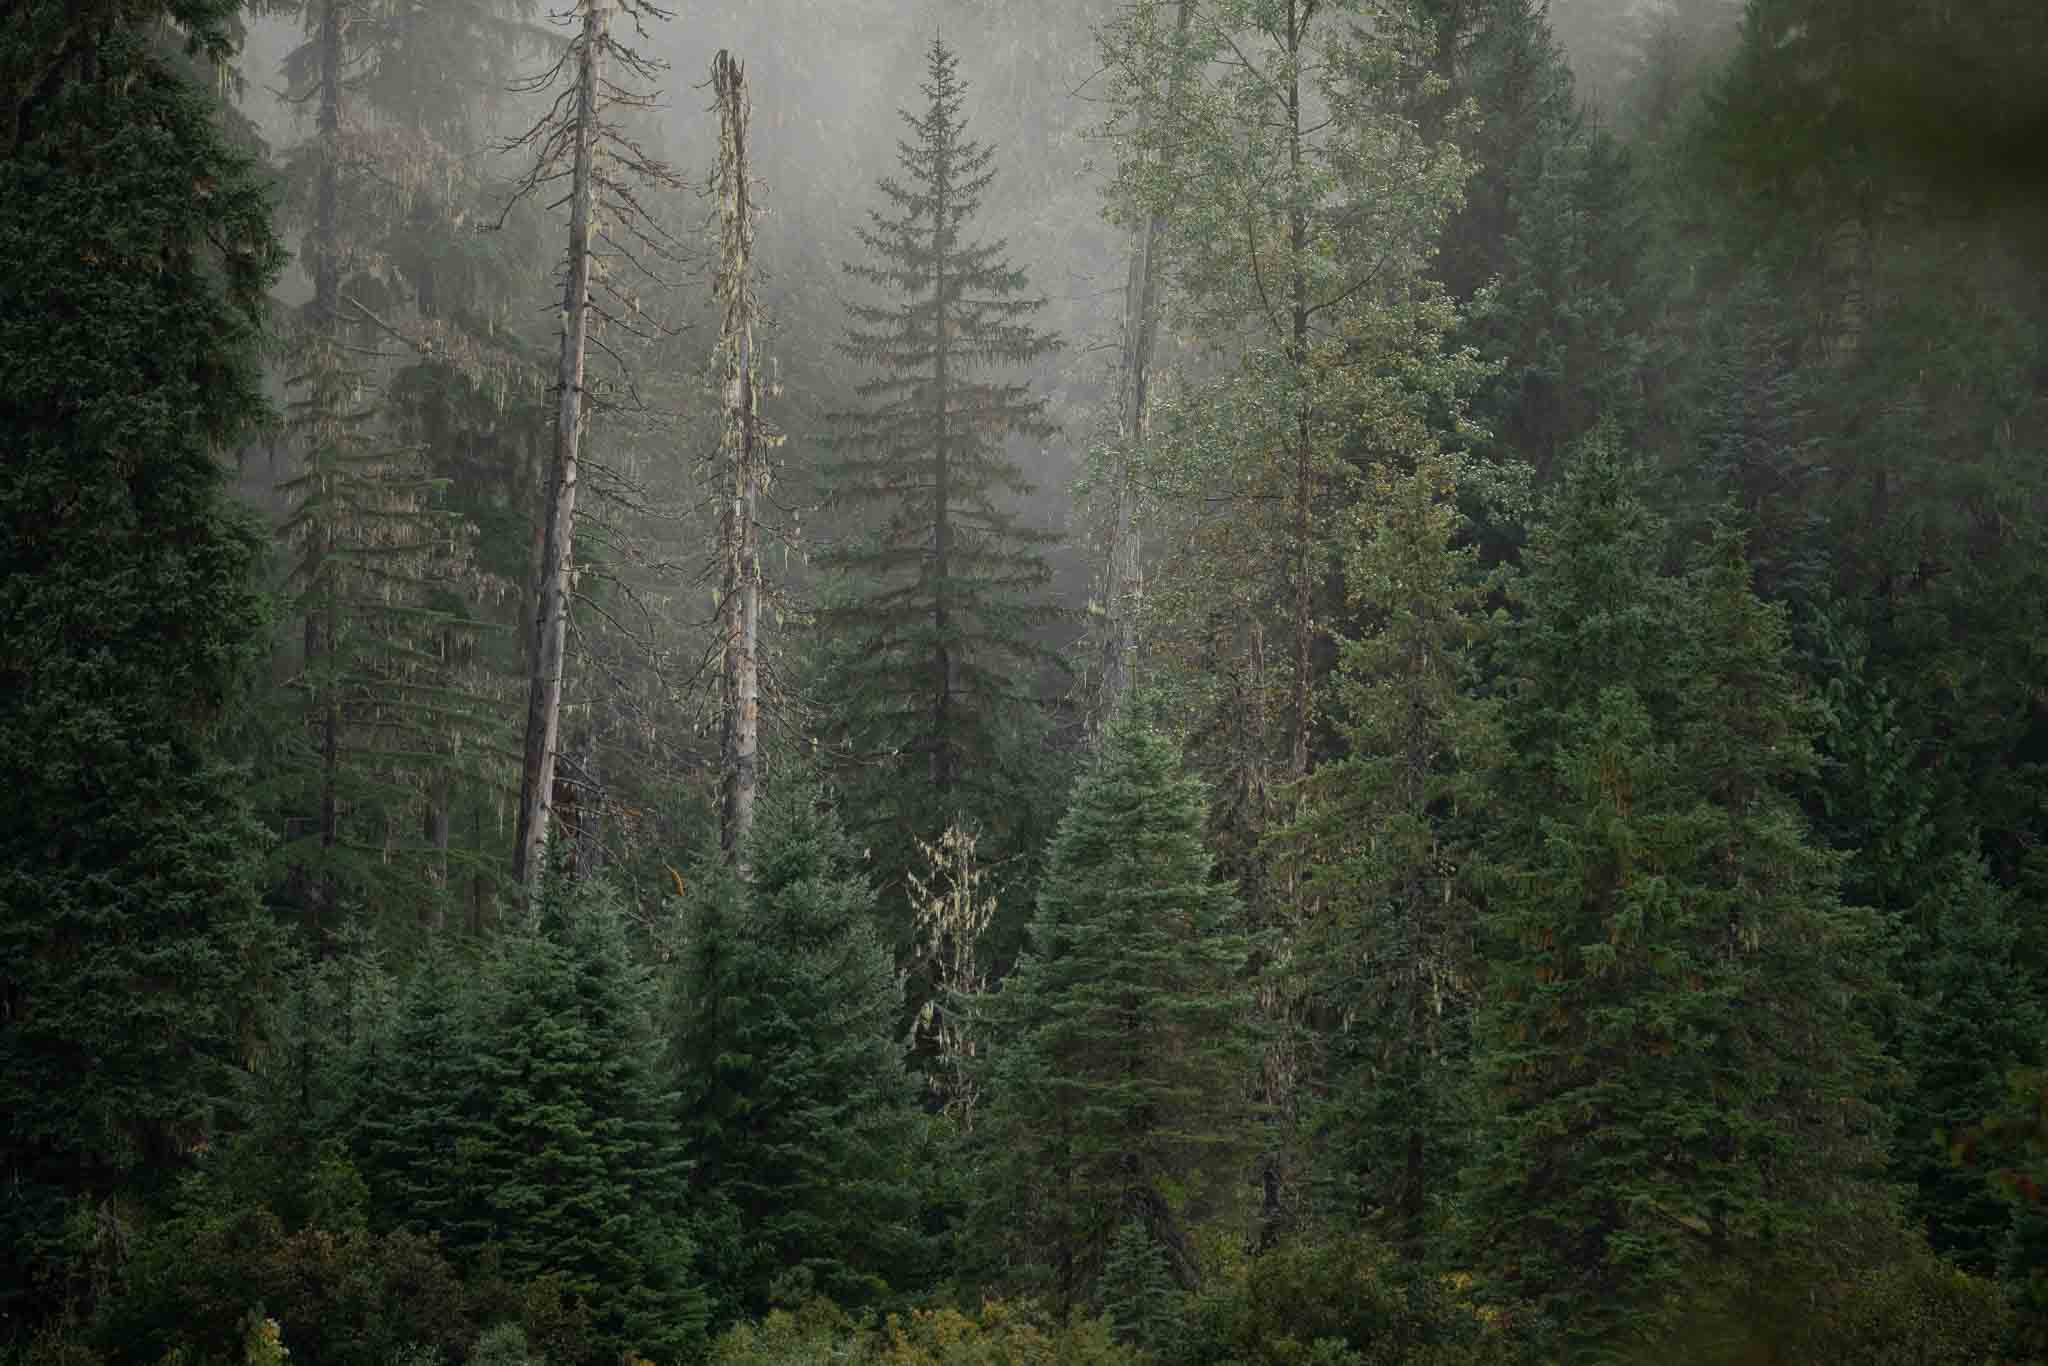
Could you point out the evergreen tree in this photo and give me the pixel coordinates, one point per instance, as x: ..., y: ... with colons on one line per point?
x: 1677, y: 1077
x: 1387, y: 835
x: 138, y: 249
x: 575, y: 1167
x: 1120, y: 1055
x: 386, y: 597
x: 948, y: 579
x: 798, y: 1118
x: 415, y: 1122
x: 1976, y: 1020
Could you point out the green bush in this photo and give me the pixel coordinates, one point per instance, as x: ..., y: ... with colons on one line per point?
x: 998, y: 1334
x: 1336, y: 1302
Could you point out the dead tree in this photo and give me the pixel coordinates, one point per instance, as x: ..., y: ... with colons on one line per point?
x: 1123, y: 580
x: 741, y: 449
x: 579, y: 141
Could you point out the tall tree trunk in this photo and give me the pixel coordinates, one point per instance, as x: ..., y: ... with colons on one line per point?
x: 1123, y: 585
x: 323, y: 625
x: 544, y: 694
x: 739, y: 530
x: 943, y: 758
x: 1297, y: 349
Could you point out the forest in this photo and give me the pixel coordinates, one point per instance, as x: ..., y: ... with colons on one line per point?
x: 951, y: 682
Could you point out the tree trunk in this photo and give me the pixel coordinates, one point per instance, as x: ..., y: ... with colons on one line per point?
x: 544, y: 695
x: 1297, y: 350
x: 942, y: 495
x: 323, y: 619
x: 1123, y: 585
x: 739, y: 530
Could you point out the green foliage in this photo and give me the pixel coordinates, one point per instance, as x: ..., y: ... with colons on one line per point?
x: 1137, y: 1291
x: 947, y: 580
x: 138, y: 247
x: 340, y: 1296
x: 798, y: 1120
x: 1118, y: 1052
x: 416, y: 1118
x: 1337, y: 1301
x: 1976, y: 1019
x: 999, y: 1334
x: 1385, y: 838
x: 1677, y: 1078
x: 574, y: 1169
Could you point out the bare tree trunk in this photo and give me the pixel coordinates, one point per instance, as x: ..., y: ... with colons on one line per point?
x: 1123, y: 586
x: 323, y: 626
x: 739, y: 530
x: 544, y: 695
x: 1297, y: 346
x: 943, y: 759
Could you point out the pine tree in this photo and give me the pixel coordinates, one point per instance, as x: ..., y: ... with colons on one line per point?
x: 1387, y: 834
x: 948, y: 578
x: 398, y: 711
x: 415, y: 1119
x: 1676, y: 1074
x: 575, y: 1168
x: 1119, y: 1053
x: 139, y: 247
x: 1977, y: 1018
x: 798, y: 1118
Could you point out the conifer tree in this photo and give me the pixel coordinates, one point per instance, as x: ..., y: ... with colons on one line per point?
x: 1387, y: 833
x: 139, y: 248
x: 1119, y: 1058
x: 1977, y: 1018
x: 574, y: 1167
x: 949, y: 579
x: 416, y: 1109
x: 1676, y: 1073
x: 798, y: 1117
x: 384, y: 592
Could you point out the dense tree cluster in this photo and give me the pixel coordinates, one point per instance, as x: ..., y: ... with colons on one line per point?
x: 1530, y: 850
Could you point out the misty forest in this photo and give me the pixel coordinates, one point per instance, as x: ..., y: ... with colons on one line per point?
x: 951, y: 682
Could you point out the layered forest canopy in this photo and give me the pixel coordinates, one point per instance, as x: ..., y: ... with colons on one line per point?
x: 961, y: 681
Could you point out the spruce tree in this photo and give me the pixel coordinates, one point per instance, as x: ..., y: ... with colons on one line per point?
x: 574, y: 1167
x: 417, y: 1112
x: 1387, y: 834
x: 948, y: 580
x: 1119, y: 1055
x: 1676, y: 1073
x: 138, y: 247
x: 382, y: 585
x: 798, y: 1118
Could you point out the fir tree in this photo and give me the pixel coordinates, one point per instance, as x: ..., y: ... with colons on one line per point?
x: 1677, y: 1077
x: 1120, y: 1053
x: 1387, y: 834
x: 416, y: 1115
x: 138, y: 249
x: 1976, y: 1020
x: 948, y: 578
x: 798, y: 1117
x: 574, y: 1167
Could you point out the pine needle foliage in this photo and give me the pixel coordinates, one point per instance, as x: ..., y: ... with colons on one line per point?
x: 138, y: 247
x: 1390, y: 947
x: 950, y: 581
x: 1677, y: 1076
x: 1120, y: 1052
x: 572, y: 1164
x: 799, y: 1118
